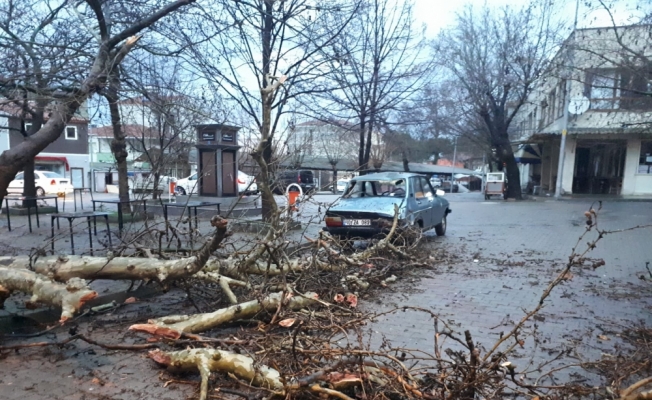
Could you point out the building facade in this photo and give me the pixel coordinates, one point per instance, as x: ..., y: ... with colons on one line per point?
x: 67, y: 155
x: 600, y: 95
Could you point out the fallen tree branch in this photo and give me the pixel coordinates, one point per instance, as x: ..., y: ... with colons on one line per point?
x: 203, y: 322
x: 63, y: 269
x: 70, y: 297
x: 207, y: 360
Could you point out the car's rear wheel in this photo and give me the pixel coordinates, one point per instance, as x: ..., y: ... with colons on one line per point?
x: 40, y: 191
x: 181, y: 191
x: 440, y: 228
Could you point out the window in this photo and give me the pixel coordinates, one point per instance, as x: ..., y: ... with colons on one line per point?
x: 227, y: 137
x: 28, y: 127
x: 418, y: 189
x: 603, y: 89
x: 636, y: 90
x: 645, y: 160
x: 19, y: 177
x: 71, y: 133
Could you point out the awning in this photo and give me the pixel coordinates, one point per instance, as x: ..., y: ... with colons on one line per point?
x: 528, y: 154
x: 50, y: 159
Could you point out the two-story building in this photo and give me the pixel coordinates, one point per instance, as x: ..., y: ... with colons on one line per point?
x: 600, y: 94
x: 67, y: 155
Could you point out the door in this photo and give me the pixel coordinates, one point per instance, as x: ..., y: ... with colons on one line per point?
x: 77, y: 177
x: 437, y: 207
x: 229, y: 175
x: 420, y: 204
x: 208, y: 180
x: 582, y: 181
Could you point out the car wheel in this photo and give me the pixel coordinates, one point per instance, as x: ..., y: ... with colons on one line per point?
x: 40, y: 191
x: 440, y: 228
x: 181, y: 191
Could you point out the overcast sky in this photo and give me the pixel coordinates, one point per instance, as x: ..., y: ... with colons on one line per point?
x: 438, y: 14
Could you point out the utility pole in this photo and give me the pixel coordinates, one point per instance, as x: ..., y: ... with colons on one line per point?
x: 453, y: 167
x: 564, y: 127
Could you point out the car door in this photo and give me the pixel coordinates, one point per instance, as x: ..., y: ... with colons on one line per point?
x: 438, y: 208
x: 17, y: 185
x: 192, y: 184
x: 419, y: 205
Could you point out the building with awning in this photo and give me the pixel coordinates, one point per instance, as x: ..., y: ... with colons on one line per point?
x: 601, y: 103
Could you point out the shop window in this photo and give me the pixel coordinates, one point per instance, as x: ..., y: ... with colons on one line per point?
x: 71, y: 133
x: 645, y: 159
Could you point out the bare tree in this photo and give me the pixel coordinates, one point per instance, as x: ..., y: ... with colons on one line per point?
x: 495, y: 58
x: 248, y: 54
x: 84, y: 67
x: 375, y: 65
x: 167, y: 105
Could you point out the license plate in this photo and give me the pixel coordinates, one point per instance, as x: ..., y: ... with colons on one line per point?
x: 62, y: 182
x: 356, y: 222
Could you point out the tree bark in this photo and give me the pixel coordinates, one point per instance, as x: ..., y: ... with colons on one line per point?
x: 70, y: 297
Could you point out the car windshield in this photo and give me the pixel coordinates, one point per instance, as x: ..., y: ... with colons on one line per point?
x: 378, y: 188
x: 51, y: 175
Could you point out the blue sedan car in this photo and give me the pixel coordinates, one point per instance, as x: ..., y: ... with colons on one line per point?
x: 366, y: 208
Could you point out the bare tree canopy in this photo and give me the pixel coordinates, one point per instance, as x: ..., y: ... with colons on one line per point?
x: 59, y: 54
x: 495, y: 56
x: 376, y: 64
x: 247, y: 50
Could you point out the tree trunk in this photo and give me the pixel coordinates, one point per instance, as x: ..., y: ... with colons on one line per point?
x: 29, y: 180
x: 506, y: 156
x: 118, y: 144
x: 406, y: 162
x: 334, y: 180
x: 157, y: 178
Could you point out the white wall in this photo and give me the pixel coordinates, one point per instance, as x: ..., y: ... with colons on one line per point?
x: 634, y: 183
x: 569, y: 165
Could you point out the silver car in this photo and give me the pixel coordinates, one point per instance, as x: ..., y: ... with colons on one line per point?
x: 366, y: 208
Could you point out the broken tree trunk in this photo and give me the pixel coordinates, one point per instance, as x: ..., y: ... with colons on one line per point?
x: 207, y: 360
x: 203, y: 322
x: 63, y: 269
x: 70, y: 296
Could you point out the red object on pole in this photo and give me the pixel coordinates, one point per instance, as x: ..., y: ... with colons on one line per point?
x: 173, y: 187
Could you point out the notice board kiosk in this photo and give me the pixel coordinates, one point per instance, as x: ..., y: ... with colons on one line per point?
x: 217, y: 145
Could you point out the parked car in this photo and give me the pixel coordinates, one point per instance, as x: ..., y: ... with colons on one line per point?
x: 146, y: 184
x: 446, y: 187
x: 244, y: 186
x: 366, y: 208
x: 302, y: 177
x: 190, y: 185
x: 435, y: 182
x: 341, y: 185
x: 46, y: 182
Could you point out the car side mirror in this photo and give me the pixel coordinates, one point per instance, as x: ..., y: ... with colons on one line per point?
x: 439, y: 192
